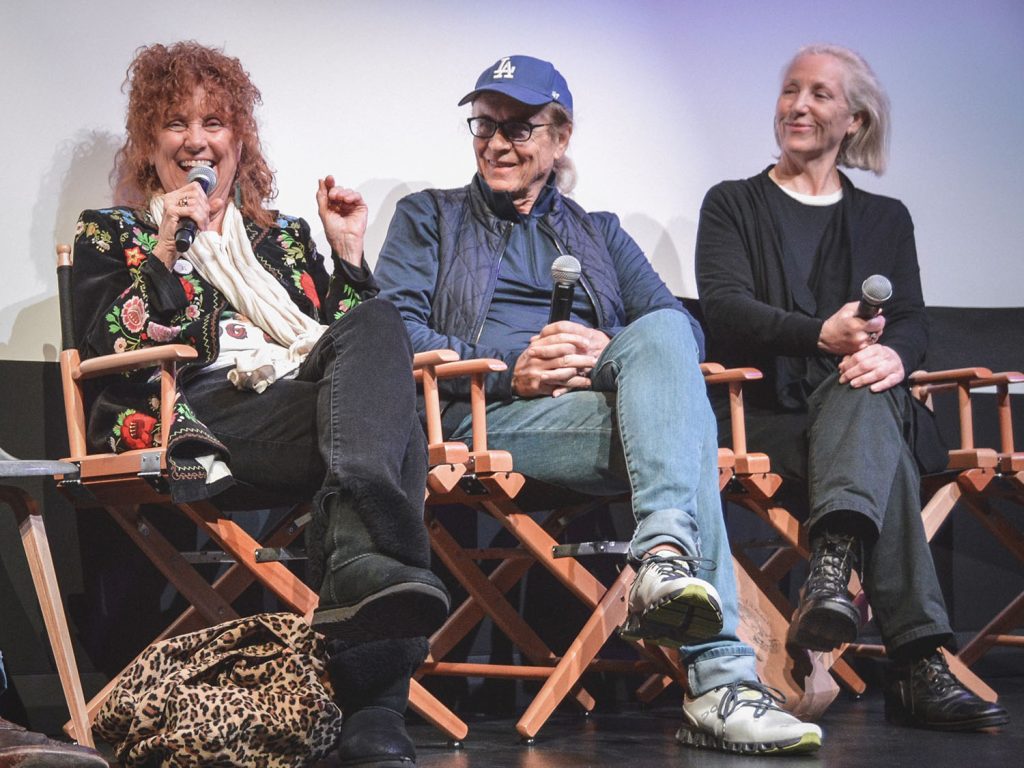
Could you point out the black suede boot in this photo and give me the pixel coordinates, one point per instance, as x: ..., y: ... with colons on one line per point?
x: 369, y: 555
x: 20, y: 748
x: 826, y: 616
x: 371, y: 683
x: 925, y: 694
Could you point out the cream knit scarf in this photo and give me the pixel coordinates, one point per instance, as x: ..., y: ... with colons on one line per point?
x: 226, y: 260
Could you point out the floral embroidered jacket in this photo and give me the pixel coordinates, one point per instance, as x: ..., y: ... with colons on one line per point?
x: 125, y: 298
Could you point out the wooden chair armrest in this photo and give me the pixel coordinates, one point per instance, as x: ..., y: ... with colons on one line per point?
x: 476, y: 369
x: 451, y: 370
x: 715, y: 373
x: 1010, y: 461
x: 480, y: 365
x: 445, y: 364
x: 434, y: 357
x: 953, y: 376
x: 963, y: 381
x: 74, y: 371
x: 134, y: 360
x: 729, y: 375
x: 998, y: 379
x: 1001, y: 379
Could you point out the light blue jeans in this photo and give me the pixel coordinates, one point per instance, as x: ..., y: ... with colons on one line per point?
x: 645, y: 428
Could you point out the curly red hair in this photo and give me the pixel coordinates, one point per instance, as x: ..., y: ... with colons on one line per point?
x: 161, y: 78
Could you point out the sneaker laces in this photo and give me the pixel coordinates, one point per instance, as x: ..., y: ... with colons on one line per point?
x: 676, y: 566
x: 768, y: 699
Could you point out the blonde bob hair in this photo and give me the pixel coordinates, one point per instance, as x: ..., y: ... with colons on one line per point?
x: 868, y: 148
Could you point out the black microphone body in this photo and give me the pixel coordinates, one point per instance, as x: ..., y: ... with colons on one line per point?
x: 561, y: 302
x: 186, y: 232
x: 565, y: 273
x: 875, y: 292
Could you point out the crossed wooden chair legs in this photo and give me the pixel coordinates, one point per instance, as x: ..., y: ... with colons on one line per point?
x: 210, y: 604
x: 44, y: 578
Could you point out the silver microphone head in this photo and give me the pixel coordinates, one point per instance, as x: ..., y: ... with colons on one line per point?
x: 876, y: 290
x: 206, y: 176
x: 565, y: 270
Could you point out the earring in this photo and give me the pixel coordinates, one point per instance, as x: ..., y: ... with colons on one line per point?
x: 238, y: 196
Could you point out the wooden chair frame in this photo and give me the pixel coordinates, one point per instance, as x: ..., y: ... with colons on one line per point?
x: 983, y: 474
x: 755, y: 487
x: 32, y: 529
x: 490, y: 486
x: 122, y: 483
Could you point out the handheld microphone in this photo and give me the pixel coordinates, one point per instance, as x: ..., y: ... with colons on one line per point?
x: 186, y: 233
x: 565, y: 273
x: 875, y: 291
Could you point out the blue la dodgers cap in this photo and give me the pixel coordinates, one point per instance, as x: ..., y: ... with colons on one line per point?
x: 525, y: 79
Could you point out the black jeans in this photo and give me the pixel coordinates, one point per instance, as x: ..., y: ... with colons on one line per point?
x: 850, y: 451
x: 349, y: 416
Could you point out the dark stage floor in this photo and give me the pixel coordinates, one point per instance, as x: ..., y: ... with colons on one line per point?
x: 856, y: 734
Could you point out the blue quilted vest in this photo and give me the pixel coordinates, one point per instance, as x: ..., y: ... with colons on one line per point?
x: 472, y: 240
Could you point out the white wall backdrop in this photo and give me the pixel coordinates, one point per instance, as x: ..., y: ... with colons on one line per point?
x: 671, y: 97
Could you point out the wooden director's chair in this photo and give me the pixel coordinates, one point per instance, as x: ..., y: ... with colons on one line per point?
x: 490, y: 486
x: 122, y: 483
x: 977, y: 477
x: 984, y: 473
x: 29, y: 518
x: 755, y: 488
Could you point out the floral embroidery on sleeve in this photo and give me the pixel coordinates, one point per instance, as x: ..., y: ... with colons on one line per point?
x: 349, y: 298
x: 126, y: 322
x: 294, y: 244
x: 293, y: 250
x: 308, y: 287
x: 99, y: 237
x: 134, y: 430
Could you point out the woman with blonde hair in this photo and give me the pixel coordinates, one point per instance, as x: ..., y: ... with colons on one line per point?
x: 781, y: 259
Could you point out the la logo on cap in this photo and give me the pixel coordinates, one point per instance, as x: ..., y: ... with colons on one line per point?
x: 505, y: 69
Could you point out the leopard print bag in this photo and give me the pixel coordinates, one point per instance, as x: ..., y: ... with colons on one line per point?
x: 248, y: 692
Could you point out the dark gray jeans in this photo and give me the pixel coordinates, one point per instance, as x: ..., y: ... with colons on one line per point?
x: 349, y: 416
x: 850, y: 451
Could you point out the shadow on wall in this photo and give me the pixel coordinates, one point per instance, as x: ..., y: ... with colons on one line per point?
x: 78, y: 178
x: 388, y: 192
x: 672, y: 252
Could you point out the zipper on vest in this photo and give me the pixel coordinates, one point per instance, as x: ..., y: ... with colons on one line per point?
x: 548, y: 230
x: 493, y: 280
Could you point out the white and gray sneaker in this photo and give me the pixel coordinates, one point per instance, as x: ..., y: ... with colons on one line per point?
x: 745, y: 717
x: 670, y: 606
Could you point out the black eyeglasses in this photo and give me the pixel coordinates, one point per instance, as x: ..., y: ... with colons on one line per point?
x: 517, y: 131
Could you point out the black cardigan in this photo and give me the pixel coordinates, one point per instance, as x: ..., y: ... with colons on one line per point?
x: 753, y: 311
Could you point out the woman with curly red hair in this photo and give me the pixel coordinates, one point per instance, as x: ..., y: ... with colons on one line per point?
x: 302, y: 383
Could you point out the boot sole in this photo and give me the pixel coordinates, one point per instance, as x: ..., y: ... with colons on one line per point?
x: 402, y: 610
x: 898, y: 715
x: 691, y: 737
x: 401, y: 762
x: 684, y: 616
x: 824, y: 625
x: 42, y: 756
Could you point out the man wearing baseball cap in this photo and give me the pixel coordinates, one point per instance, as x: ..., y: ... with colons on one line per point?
x: 610, y: 400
